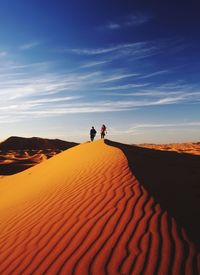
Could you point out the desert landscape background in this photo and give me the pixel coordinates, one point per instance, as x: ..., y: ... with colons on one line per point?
x: 189, y: 147
x: 18, y: 153
x: 102, y: 208
x: 74, y: 71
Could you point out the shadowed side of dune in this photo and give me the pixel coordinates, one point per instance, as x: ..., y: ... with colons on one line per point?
x: 173, y: 179
x: 13, y: 168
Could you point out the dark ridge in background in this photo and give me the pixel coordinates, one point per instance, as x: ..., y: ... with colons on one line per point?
x: 173, y: 179
x: 34, y: 143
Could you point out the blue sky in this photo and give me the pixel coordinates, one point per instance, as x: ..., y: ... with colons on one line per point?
x: 68, y: 65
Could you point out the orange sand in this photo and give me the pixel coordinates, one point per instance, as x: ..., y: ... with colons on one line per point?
x: 15, y: 161
x: 189, y: 148
x: 83, y: 212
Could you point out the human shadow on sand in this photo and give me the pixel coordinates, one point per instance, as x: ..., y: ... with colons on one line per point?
x: 173, y: 179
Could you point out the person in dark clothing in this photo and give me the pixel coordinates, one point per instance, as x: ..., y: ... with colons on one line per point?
x: 103, y: 131
x: 92, y: 133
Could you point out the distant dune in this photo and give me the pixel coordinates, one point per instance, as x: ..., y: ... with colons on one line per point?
x: 34, y: 143
x: 84, y: 212
x: 190, y: 148
x: 18, y: 153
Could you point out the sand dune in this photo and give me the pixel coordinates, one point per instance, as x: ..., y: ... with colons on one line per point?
x: 172, y: 179
x: 84, y: 212
x: 34, y: 143
x: 12, y: 162
x: 190, y: 148
x: 18, y: 154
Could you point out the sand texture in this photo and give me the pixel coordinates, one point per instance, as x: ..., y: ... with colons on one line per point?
x: 84, y: 212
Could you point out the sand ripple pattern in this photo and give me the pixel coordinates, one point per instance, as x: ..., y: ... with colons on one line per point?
x: 91, y: 216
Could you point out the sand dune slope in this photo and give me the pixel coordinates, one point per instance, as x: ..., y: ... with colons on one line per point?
x: 83, y: 212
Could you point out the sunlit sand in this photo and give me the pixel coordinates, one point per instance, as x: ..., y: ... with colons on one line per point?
x: 84, y: 212
x: 189, y: 148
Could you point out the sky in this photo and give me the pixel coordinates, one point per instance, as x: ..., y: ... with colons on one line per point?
x: 68, y: 65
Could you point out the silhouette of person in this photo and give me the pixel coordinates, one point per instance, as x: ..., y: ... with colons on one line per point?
x: 92, y: 133
x: 103, y: 131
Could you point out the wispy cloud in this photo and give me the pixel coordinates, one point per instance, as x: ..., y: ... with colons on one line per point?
x: 131, y: 20
x: 165, y: 125
x: 43, y: 108
x: 137, y: 19
x: 129, y: 86
x: 146, y: 93
x: 52, y: 100
x: 97, y: 51
x: 29, y: 81
x: 29, y: 45
x: 124, y: 52
x: 116, y: 77
x: 141, y: 129
x: 134, y: 51
x: 134, y: 47
x: 151, y: 89
x: 29, y: 92
x: 14, y: 67
x: 161, y: 72
x: 91, y: 64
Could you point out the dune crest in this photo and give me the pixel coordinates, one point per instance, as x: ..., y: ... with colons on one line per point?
x: 83, y: 212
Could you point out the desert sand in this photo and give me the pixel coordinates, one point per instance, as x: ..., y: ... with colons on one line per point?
x: 15, y: 161
x: 83, y: 211
x: 18, y: 153
x: 190, y: 147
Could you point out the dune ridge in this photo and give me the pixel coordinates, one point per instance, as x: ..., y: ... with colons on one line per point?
x: 34, y: 143
x: 173, y: 181
x: 84, y: 212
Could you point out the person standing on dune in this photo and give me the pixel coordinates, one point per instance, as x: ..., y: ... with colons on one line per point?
x: 103, y: 131
x: 92, y: 133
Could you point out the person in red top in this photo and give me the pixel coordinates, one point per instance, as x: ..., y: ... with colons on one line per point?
x: 103, y: 131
